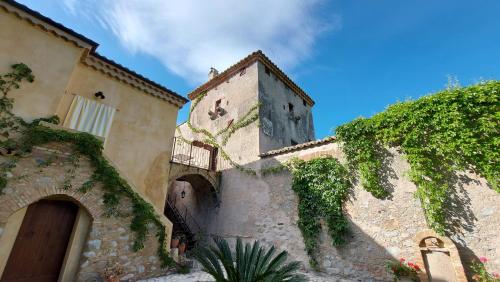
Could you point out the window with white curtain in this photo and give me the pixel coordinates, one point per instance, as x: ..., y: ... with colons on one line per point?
x: 90, y: 116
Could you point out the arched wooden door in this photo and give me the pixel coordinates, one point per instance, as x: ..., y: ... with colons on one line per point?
x: 40, y: 246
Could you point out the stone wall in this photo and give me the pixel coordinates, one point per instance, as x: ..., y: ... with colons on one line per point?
x: 108, y: 239
x: 237, y: 95
x: 278, y: 123
x: 265, y: 208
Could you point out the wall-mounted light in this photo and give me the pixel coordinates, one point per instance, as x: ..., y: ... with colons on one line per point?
x: 183, y: 193
x: 99, y: 95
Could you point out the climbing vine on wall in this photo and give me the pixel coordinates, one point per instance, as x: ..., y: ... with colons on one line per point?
x: 27, y: 135
x: 454, y: 130
x: 249, y: 118
x: 322, y: 186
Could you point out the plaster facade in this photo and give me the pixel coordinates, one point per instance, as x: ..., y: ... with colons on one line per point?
x: 140, y: 139
x: 284, y: 117
x: 237, y: 96
x: 51, y: 59
x: 139, y: 144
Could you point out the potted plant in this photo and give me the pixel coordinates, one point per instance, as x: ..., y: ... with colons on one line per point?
x: 182, y: 245
x: 112, y: 272
x: 174, y: 243
x: 403, y: 270
x: 480, y: 272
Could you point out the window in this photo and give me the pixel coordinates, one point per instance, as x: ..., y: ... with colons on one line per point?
x: 218, y: 103
x: 304, y: 102
x: 293, y: 142
x: 268, y: 71
x: 89, y: 116
x: 290, y: 107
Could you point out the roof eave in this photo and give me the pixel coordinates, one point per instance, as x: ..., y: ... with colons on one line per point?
x: 250, y: 59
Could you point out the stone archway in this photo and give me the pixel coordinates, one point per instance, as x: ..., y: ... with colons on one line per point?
x: 41, y: 242
x: 440, y: 258
x: 192, y: 200
x: 53, y: 231
x: 194, y: 174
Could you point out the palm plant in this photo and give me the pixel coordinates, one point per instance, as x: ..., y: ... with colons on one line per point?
x: 251, y: 263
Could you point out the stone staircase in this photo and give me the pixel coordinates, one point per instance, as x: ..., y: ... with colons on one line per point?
x: 183, y: 222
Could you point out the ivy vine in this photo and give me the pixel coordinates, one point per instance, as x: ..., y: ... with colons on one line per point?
x: 33, y: 134
x: 322, y: 186
x: 250, y: 117
x: 457, y: 129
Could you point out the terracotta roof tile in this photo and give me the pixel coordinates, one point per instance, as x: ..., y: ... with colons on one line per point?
x: 66, y: 33
x: 298, y: 147
x: 140, y: 77
x: 248, y: 60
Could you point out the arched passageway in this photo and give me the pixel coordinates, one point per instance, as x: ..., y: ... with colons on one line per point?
x: 190, y: 205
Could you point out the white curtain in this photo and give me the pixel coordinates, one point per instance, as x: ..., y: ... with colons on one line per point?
x: 89, y: 116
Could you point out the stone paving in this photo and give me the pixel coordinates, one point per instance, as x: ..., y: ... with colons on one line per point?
x: 199, y: 276
x: 191, y: 277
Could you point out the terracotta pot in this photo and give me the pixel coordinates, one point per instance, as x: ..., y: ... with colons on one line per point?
x: 113, y: 278
x: 174, y: 243
x: 182, y: 248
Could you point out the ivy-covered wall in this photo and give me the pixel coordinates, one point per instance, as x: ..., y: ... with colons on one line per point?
x: 23, y: 181
x: 43, y: 174
x: 436, y: 147
x: 266, y: 208
x: 237, y: 128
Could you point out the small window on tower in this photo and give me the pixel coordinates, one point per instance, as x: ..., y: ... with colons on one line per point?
x: 290, y: 107
x: 217, y: 103
x: 304, y: 102
x: 268, y: 71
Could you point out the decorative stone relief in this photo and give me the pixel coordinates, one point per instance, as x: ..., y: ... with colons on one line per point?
x: 440, y: 258
x: 267, y: 126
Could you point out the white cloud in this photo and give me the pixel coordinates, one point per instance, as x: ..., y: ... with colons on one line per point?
x: 190, y: 36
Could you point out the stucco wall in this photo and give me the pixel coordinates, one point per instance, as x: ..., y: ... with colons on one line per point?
x: 238, y: 95
x: 265, y: 208
x: 279, y: 126
x: 108, y: 239
x: 140, y: 140
x: 51, y: 59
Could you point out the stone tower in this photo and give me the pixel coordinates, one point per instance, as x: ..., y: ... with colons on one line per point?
x: 233, y: 96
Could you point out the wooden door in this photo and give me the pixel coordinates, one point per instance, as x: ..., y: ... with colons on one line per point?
x: 40, y: 246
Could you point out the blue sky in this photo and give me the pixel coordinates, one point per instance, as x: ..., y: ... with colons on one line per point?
x: 353, y: 57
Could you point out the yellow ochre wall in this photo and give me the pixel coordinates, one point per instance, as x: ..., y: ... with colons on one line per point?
x: 52, y: 60
x: 140, y: 140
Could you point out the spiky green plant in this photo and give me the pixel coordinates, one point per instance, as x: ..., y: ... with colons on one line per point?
x: 250, y: 263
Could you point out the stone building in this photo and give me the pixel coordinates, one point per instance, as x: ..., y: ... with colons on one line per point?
x: 133, y: 116
x: 202, y: 179
x: 262, y: 207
